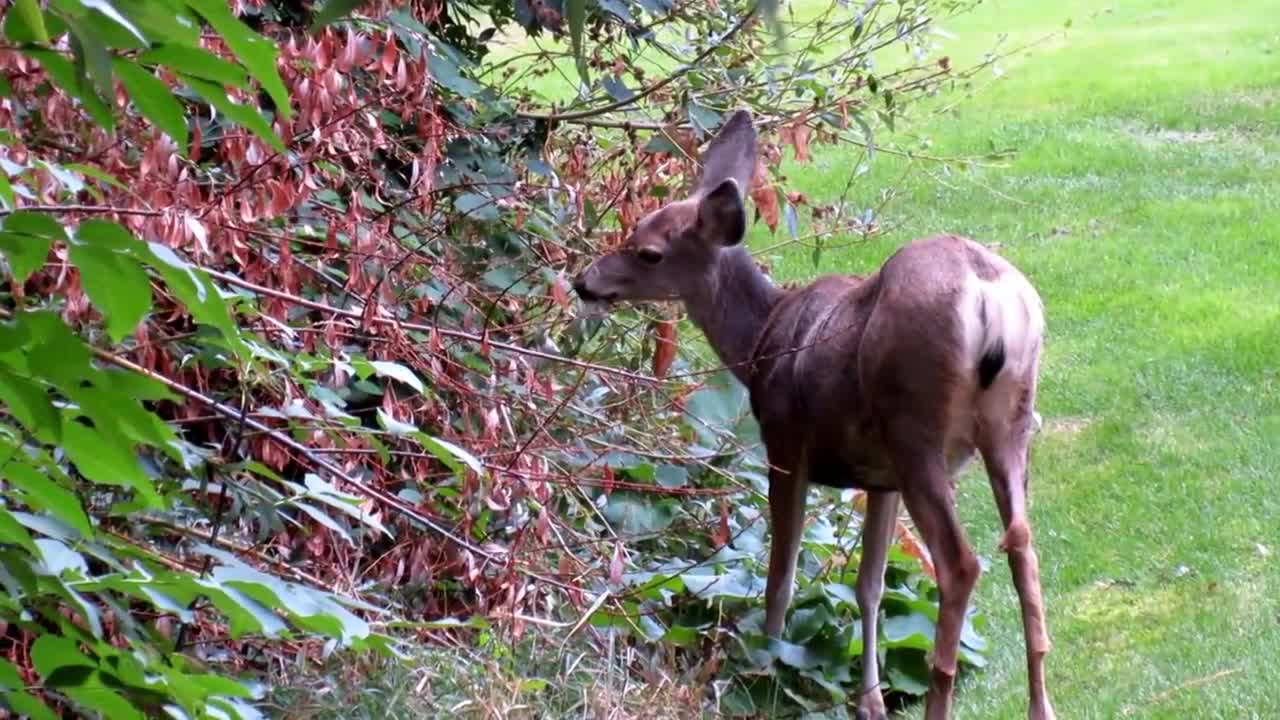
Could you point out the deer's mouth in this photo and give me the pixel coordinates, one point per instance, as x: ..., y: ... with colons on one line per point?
x: 588, y: 295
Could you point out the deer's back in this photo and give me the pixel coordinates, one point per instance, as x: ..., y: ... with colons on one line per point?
x: 839, y: 357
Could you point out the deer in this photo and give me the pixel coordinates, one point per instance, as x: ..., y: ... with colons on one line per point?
x: 888, y: 383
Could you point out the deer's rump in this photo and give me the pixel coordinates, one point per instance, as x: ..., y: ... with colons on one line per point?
x: 918, y: 341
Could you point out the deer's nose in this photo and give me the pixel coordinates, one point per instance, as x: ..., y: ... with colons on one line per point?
x: 584, y: 292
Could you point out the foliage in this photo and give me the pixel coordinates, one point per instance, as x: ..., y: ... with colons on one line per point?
x: 289, y: 361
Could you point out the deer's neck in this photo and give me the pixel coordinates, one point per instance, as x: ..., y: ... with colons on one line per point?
x: 732, y: 307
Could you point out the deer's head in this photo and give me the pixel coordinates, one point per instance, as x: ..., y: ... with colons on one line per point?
x: 672, y: 251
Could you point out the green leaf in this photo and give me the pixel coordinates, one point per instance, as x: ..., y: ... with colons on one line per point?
x: 447, y: 73
x: 616, y: 88
x: 671, y: 476
x: 169, y: 22
x: 218, y: 685
x: 25, y: 239
x: 908, y: 672
x: 116, y: 283
x: 25, y: 253
x: 45, y: 343
x: 631, y: 513
x: 243, y: 115
x: 59, y: 558
x: 256, y: 52
x: 163, y: 601
x: 397, y: 372
x: 807, y: 622
x: 476, y: 206
x: 6, y: 189
x: 334, y: 10
x: 108, y: 9
x: 196, y: 62
x: 394, y: 426
x: 91, y: 56
x: 31, y: 15
x: 793, y: 655
x: 65, y: 75
x: 96, y: 173
x: 51, y: 652
x: 703, y: 118
x: 450, y: 454
x: 34, y: 223
x: 12, y: 531
x: 246, y: 614
x: 11, y: 685
x: 41, y: 493
x: 576, y: 10
x: 155, y: 101
x: 323, y: 518
x: 197, y: 293
x: 738, y: 583
x: 106, y: 462
x: 911, y: 631
x: 30, y: 403
x: 345, y: 503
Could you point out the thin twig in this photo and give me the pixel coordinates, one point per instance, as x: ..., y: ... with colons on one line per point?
x: 457, y: 334
x: 1187, y: 685
x: 319, y: 462
x: 679, y: 73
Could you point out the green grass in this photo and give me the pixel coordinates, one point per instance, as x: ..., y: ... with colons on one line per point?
x: 1144, y: 203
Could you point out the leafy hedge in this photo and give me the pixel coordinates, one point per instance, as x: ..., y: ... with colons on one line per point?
x: 289, y: 365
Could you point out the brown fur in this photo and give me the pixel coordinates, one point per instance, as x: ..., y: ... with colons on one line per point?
x: 888, y: 382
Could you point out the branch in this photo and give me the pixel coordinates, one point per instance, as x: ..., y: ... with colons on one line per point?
x: 93, y: 209
x: 679, y: 73
x: 319, y: 462
x: 457, y: 334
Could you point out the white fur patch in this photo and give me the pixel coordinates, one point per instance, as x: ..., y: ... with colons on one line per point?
x: 1013, y: 314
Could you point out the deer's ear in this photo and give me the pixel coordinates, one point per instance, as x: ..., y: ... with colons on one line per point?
x: 731, y: 154
x: 722, y: 217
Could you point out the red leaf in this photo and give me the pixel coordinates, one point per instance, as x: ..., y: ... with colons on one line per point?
x: 721, y: 535
x: 388, y: 63
x: 197, y: 140
x: 402, y: 75
x: 797, y: 135
x: 664, y: 347
x: 559, y: 294
x: 606, y: 483
x: 331, y: 238
x: 762, y: 193
x: 615, y: 565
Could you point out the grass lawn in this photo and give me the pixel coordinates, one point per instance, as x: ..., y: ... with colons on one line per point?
x: 1144, y: 203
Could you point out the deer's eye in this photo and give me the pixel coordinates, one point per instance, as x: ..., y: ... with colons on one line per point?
x: 650, y: 255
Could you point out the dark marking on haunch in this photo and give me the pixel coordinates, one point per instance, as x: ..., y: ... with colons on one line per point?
x: 991, y: 364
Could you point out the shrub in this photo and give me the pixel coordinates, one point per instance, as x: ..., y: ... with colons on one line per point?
x: 290, y: 367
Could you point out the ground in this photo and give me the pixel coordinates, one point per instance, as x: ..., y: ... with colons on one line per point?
x: 1144, y: 203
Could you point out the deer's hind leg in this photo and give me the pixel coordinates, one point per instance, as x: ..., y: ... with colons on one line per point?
x: 926, y: 488
x: 1004, y: 439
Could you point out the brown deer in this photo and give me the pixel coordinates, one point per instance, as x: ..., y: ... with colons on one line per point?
x: 886, y: 383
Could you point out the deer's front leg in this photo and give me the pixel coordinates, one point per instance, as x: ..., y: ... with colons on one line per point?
x: 787, y: 492
x: 877, y: 533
